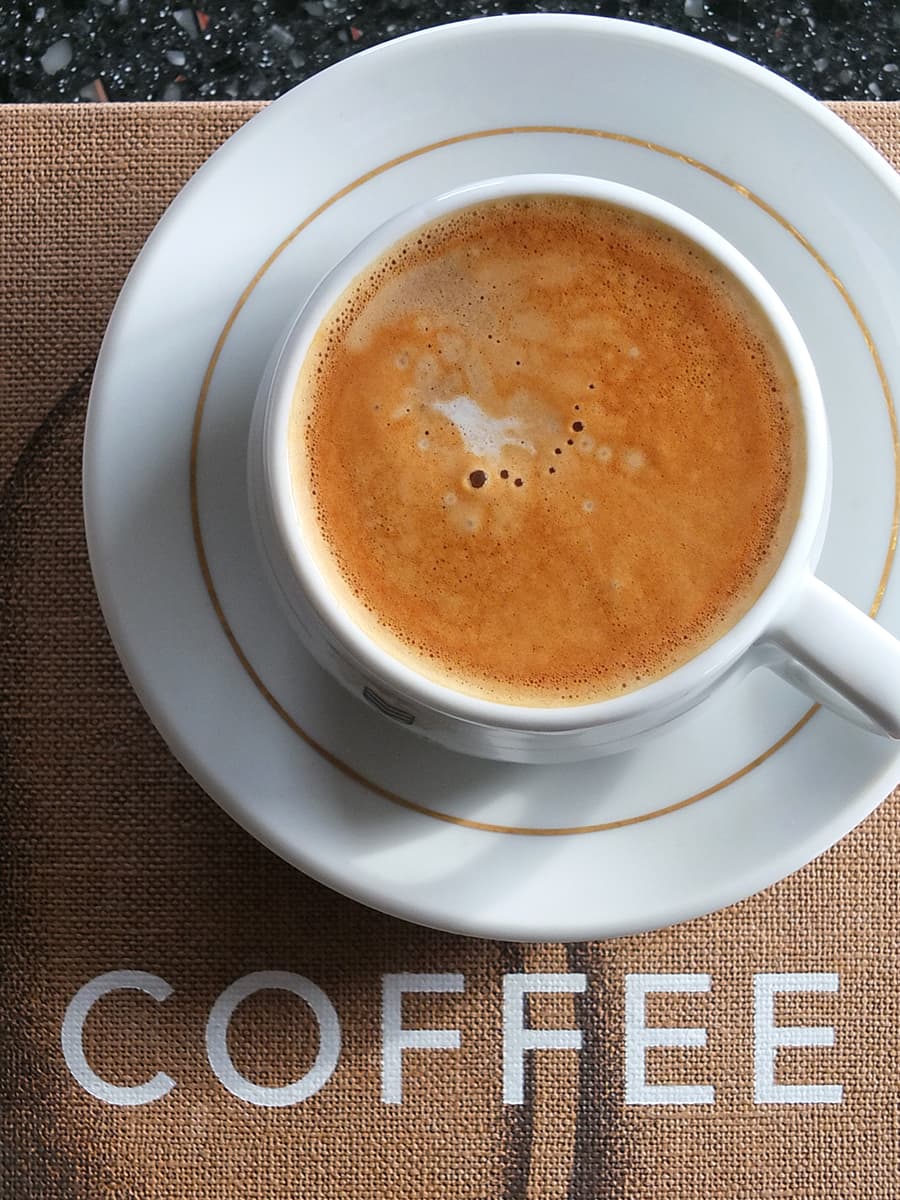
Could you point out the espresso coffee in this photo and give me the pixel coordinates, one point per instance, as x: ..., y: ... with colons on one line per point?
x: 546, y: 450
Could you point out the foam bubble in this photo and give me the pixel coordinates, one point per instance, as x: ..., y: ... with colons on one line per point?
x: 466, y: 517
x: 484, y: 436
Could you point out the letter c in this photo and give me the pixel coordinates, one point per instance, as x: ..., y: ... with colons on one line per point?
x: 73, y: 1038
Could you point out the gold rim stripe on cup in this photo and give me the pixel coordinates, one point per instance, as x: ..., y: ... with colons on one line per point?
x: 274, y: 703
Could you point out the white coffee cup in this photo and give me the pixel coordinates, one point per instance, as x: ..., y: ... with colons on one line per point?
x: 798, y: 626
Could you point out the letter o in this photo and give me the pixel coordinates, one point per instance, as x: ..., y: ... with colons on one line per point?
x: 217, y: 1039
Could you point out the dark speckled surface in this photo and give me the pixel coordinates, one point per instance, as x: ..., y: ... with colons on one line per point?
x: 126, y: 50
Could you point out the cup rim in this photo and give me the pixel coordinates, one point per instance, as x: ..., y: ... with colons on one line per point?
x: 395, y: 675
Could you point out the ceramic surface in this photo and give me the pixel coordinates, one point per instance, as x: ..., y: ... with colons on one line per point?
x: 743, y: 791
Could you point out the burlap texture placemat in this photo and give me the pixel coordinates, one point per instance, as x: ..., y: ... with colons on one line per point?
x: 114, y: 861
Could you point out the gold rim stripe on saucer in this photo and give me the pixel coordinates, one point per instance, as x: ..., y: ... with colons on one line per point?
x: 203, y: 562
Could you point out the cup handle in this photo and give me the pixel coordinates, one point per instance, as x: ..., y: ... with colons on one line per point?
x: 839, y: 656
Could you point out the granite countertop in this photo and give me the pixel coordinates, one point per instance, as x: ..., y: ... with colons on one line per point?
x: 98, y: 50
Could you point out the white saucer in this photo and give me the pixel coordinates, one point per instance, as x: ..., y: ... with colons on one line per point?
x: 747, y: 790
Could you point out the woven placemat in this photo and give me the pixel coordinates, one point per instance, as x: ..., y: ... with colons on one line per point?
x: 261, y: 1058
